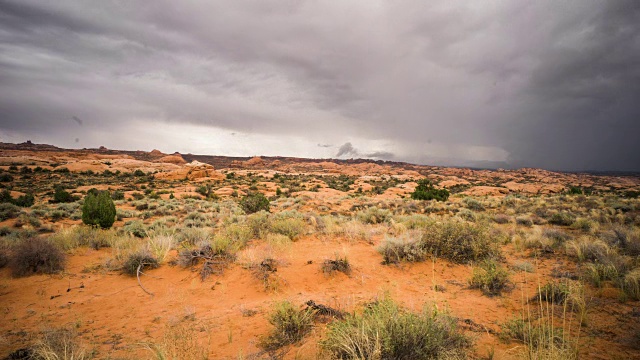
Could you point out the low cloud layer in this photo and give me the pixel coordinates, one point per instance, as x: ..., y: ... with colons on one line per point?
x: 543, y: 84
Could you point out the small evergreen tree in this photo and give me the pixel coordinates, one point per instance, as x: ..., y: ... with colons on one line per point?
x: 98, y: 209
x: 426, y: 191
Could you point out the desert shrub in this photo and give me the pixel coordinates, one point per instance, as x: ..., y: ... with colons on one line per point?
x: 583, y: 224
x: 4, y: 256
x: 135, y: 228
x: 339, y: 263
x: 524, y: 266
x: 59, y: 344
x: 415, y: 221
x: 117, y: 195
x: 558, y: 236
x: 180, y: 341
x: 26, y: 200
x: 254, y: 202
x: 259, y: 223
x: 6, y: 177
x: 555, y: 292
x: 99, y: 210
x: 524, y: 221
x: 292, y: 227
x: 160, y: 245
x: 60, y: 195
x: 490, y: 277
x: 72, y: 237
x: 459, y: 242
x: 467, y: 215
x: 290, y: 325
x: 627, y: 239
x: 598, y: 273
x: 473, y: 204
x: 8, y: 211
x: 562, y: 218
x: 587, y: 249
x: 215, y: 256
x: 373, y: 215
x: 36, y: 256
x: 405, y: 248
x: 235, y: 233
x: 193, y: 236
x: 138, y: 172
x: 25, y: 219
x: 426, y: 191
x: 386, y: 331
x: 501, y: 219
x: 631, y: 285
x: 536, y: 335
x: 141, y: 259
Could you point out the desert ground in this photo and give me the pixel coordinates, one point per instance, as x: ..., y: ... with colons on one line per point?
x: 514, y: 264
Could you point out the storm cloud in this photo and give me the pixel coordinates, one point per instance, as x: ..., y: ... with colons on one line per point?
x: 497, y: 83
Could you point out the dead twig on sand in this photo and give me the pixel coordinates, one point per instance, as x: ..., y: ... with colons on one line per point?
x: 140, y: 283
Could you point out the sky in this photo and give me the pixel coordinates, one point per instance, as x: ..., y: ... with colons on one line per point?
x: 549, y: 84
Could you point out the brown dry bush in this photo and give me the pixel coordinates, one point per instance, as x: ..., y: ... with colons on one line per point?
x: 36, y: 256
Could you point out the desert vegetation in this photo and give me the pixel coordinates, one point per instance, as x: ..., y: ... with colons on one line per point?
x: 267, y: 262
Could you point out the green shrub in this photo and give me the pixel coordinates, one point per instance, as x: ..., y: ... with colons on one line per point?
x: 36, y: 256
x: 491, y: 278
x: 26, y: 200
x: 135, y: 228
x: 99, y: 210
x: 138, y: 172
x: 8, y: 211
x: 6, y: 177
x: 426, y: 191
x: 386, y: 331
x: 254, y: 202
x: 117, y: 195
x: 60, y: 195
x: 459, y: 242
x: 290, y: 325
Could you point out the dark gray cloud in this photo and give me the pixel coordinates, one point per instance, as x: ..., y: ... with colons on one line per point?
x: 347, y: 149
x: 541, y: 83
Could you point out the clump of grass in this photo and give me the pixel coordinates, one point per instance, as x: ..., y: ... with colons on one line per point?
x: 180, y: 341
x: 501, y: 219
x: 631, y: 285
x: 491, y: 278
x: 56, y: 344
x: 386, y: 331
x: 524, y: 266
x: 524, y: 221
x: 141, y: 259
x: 587, y: 249
x: 36, y: 256
x: 562, y: 218
x: 160, y: 245
x: 290, y: 325
x: 404, y: 248
x: 339, y: 263
x: 543, y: 340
